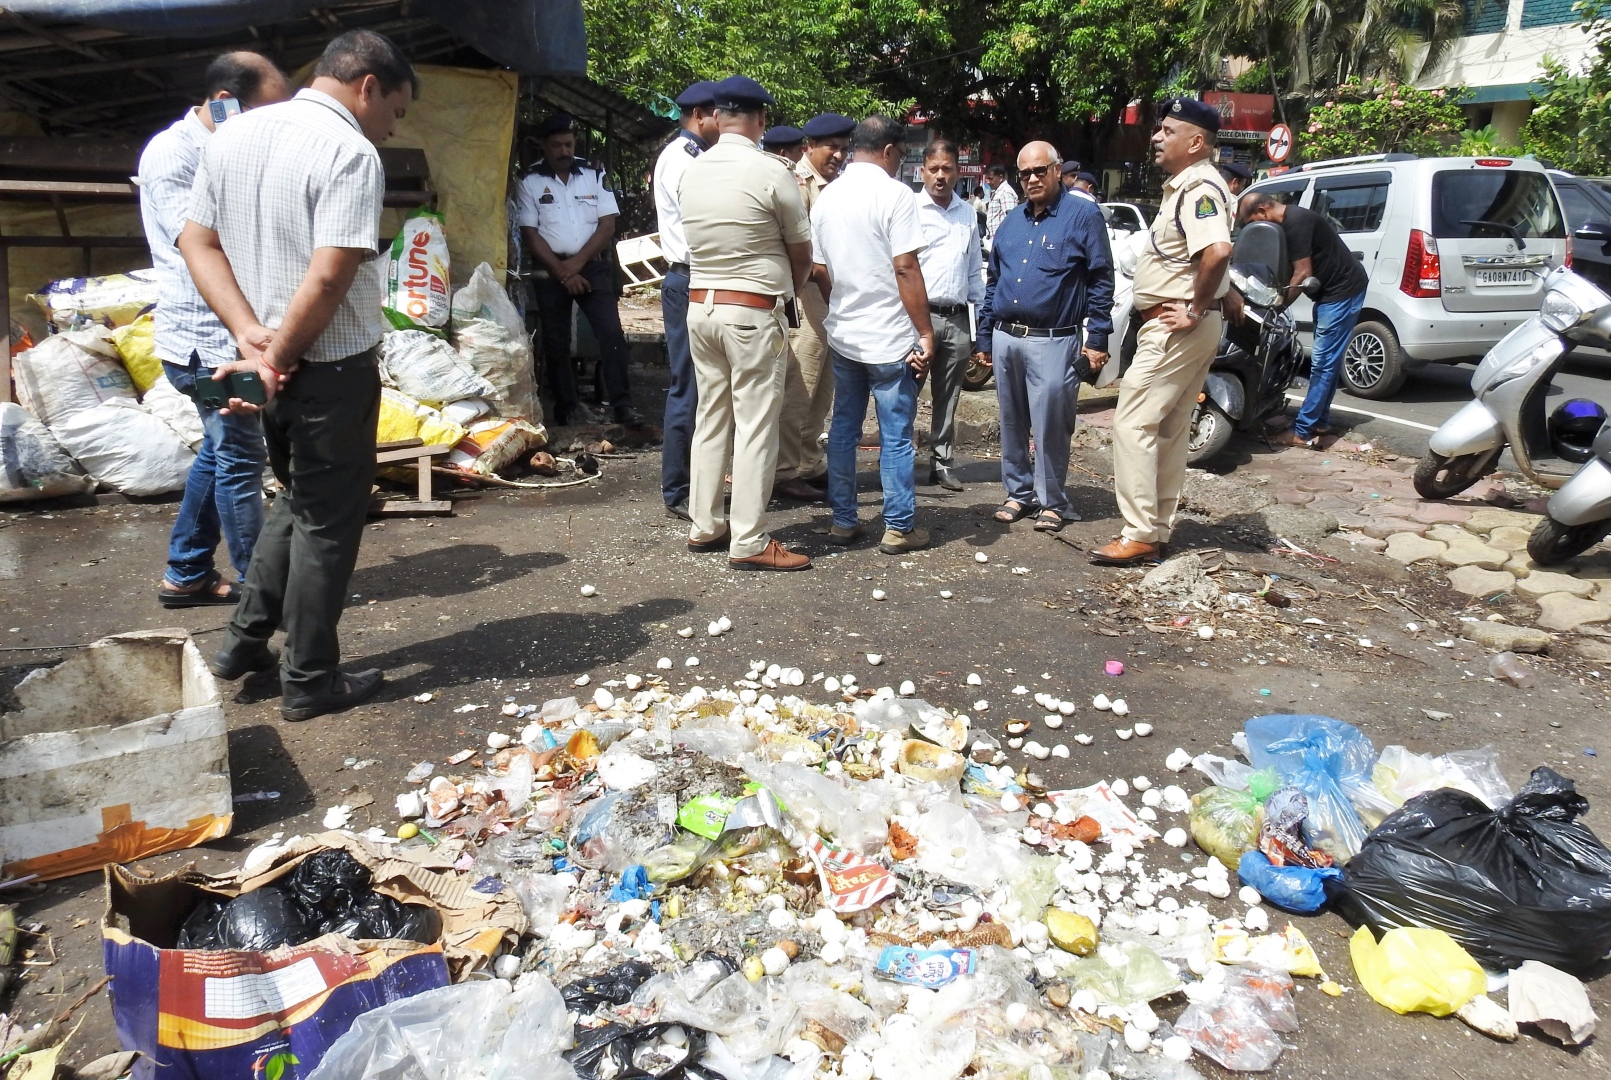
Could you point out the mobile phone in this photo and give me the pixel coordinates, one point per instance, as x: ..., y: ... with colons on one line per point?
x: 791, y: 312
x: 212, y: 393
x: 222, y: 109
x: 248, y: 386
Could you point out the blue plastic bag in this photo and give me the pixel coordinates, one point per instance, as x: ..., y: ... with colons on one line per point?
x: 1330, y: 762
x: 1297, y: 889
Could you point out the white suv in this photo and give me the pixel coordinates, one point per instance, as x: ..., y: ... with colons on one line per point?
x: 1456, y: 248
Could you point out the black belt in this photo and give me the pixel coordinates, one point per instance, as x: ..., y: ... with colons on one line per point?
x: 677, y: 266
x: 1013, y: 329
x: 948, y: 309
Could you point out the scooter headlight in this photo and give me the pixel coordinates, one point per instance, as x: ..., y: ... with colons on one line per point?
x: 1560, y: 312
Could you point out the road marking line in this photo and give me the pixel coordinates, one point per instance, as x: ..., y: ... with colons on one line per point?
x: 1372, y: 415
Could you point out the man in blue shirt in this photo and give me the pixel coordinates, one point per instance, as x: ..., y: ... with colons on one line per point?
x: 1049, y: 266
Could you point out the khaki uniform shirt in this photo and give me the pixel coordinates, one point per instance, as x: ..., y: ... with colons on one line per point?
x: 812, y: 305
x: 1196, y: 198
x: 740, y: 206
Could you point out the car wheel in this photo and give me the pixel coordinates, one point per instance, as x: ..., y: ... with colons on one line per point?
x: 1210, y: 433
x: 1372, y: 364
x: 978, y: 375
x: 1553, y: 542
x: 1438, y: 477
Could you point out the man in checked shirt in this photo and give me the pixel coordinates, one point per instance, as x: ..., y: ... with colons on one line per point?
x: 282, y: 242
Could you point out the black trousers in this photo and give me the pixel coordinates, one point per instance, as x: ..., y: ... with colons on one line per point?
x: 320, y: 432
x: 598, y: 304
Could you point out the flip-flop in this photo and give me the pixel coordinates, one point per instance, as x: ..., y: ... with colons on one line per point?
x: 203, y: 596
x: 1023, y: 510
x: 1049, y: 521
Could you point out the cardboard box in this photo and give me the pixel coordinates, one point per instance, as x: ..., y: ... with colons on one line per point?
x: 118, y: 752
x: 228, y: 1014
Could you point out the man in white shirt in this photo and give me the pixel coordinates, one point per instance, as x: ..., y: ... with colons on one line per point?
x: 866, y: 235
x: 696, y: 135
x: 953, y: 273
x: 1002, y: 199
x: 567, y: 220
x: 224, y: 490
x: 282, y: 241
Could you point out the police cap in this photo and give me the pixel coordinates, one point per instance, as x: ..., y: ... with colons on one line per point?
x: 782, y: 135
x: 740, y: 92
x: 1087, y: 178
x: 1191, y: 111
x: 1070, y: 167
x: 698, y: 96
x: 558, y: 124
x: 830, y: 125
x: 1235, y: 170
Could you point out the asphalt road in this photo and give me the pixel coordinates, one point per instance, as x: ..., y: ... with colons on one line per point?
x: 1435, y: 391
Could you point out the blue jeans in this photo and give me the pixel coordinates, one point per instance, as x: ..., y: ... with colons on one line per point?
x: 682, y: 396
x: 894, y: 392
x: 224, y: 492
x: 1334, y: 325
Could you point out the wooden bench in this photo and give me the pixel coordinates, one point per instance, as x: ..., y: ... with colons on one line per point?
x: 422, y: 456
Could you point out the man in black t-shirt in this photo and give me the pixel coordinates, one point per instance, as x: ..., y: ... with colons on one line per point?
x: 1316, y: 251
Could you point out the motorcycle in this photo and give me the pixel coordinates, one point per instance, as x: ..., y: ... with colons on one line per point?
x: 1256, y: 359
x: 1510, y: 389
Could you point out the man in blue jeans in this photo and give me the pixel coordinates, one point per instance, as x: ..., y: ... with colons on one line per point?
x: 866, y: 234
x: 1316, y: 251
x: 224, y: 491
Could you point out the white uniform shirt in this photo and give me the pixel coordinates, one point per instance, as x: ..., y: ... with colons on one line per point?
x: 184, y: 324
x: 281, y: 180
x: 859, y: 224
x: 565, y: 213
x: 952, y: 261
x: 668, y: 169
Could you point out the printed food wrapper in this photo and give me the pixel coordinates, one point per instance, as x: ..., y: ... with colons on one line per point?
x: 850, y: 882
x: 932, y: 968
x: 417, y: 274
x: 1288, y: 951
x: 1099, y: 803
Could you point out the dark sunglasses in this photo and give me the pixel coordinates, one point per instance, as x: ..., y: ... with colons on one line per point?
x: 1037, y: 170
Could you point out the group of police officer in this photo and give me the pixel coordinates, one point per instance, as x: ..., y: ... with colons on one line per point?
x: 751, y: 375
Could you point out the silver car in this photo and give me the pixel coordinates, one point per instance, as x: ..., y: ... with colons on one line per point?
x: 1456, y: 249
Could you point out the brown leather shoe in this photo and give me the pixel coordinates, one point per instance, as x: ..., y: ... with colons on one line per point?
x: 1127, y: 552
x: 705, y: 547
x: 774, y: 557
x: 798, y: 490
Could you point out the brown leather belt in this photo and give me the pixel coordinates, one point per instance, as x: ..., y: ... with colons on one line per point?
x: 1151, y: 313
x: 733, y: 296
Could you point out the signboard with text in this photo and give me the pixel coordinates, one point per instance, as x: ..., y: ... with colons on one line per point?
x: 1242, y: 117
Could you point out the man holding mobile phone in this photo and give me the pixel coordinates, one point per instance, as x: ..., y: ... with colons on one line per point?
x: 224, y: 491
x: 282, y: 238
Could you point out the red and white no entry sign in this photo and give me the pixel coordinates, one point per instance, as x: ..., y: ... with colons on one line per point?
x: 1279, y: 143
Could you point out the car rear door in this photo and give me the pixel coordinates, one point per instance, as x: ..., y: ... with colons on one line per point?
x: 1581, y: 203
x: 1498, y: 228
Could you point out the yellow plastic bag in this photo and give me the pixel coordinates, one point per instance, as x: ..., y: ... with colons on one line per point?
x: 136, y: 345
x: 401, y: 417
x: 1416, y: 969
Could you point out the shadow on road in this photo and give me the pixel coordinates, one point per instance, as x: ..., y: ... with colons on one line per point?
x: 259, y: 762
x: 448, y: 571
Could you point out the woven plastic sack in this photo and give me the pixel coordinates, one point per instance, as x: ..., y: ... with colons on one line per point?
x: 109, y: 300
x: 127, y: 448
x: 176, y: 410
x: 427, y: 369
x: 68, y: 373
x: 417, y: 275
x: 493, y: 444
x: 491, y: 337
x: 33, y: 464
x: 136, y: 346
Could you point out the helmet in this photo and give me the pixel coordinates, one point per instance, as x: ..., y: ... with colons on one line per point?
x: 1573, y: 426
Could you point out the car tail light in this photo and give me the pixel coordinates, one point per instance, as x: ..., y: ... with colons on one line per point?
x: 1494, y: 162
x: 1568, y: 262
x: 1423, y: 275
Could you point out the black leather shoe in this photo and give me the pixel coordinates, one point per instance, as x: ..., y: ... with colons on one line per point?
x: 679, y: 510
x: 627, y: 416
x: 942, y: 475
x: 346, y: 689
x: 232, y: 664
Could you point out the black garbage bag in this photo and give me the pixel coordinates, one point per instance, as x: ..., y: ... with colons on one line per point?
x: 1523, y: 882
x: 263, y: 919
x: 620, y: 1051
x: 200, y: 930
x: 375, y: 915
x: 612, y: 987
x: 328, y: 883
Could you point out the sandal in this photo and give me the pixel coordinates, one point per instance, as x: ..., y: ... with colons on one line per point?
x: 1012, y: 510
x: 1291, y: 438
x: 203, y: 595
x: 1050, y: 521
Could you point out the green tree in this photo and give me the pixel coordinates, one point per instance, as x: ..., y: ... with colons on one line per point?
x: 1374, y: 117
x: 1570, y: 125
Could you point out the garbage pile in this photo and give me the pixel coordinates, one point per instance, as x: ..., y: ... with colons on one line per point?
x: 747, y: 884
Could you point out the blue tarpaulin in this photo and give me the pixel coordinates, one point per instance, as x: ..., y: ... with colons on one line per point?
x: 535, y: 37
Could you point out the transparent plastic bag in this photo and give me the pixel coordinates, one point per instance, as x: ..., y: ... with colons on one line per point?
x: 1331, y: 762
x: 619, y: 830
x: 545, y: 898
x: 1400, y: 775
x: 1269, y: 991
x: 753, y: 1019
x: 1122, y: 973
x: 1232, y: 1031
x: 854, y: 819
x: 726, y: 741
x: 1225, y: 823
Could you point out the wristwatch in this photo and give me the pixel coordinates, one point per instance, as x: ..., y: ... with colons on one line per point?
x: 1193, y: 314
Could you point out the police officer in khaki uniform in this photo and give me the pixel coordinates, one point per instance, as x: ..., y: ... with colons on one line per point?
x: 808, y: 391
x: 749, y: 245
x: 1180, y: 288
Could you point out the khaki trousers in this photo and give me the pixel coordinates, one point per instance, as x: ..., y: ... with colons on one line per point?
x: 807, y: 393
x: 739, y: 361
x: 1152, y: 421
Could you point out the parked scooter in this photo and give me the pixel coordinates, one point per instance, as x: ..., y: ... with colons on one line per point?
x: 1578, y: 516
x: 1256, y: 360
x: 1511, y: 387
